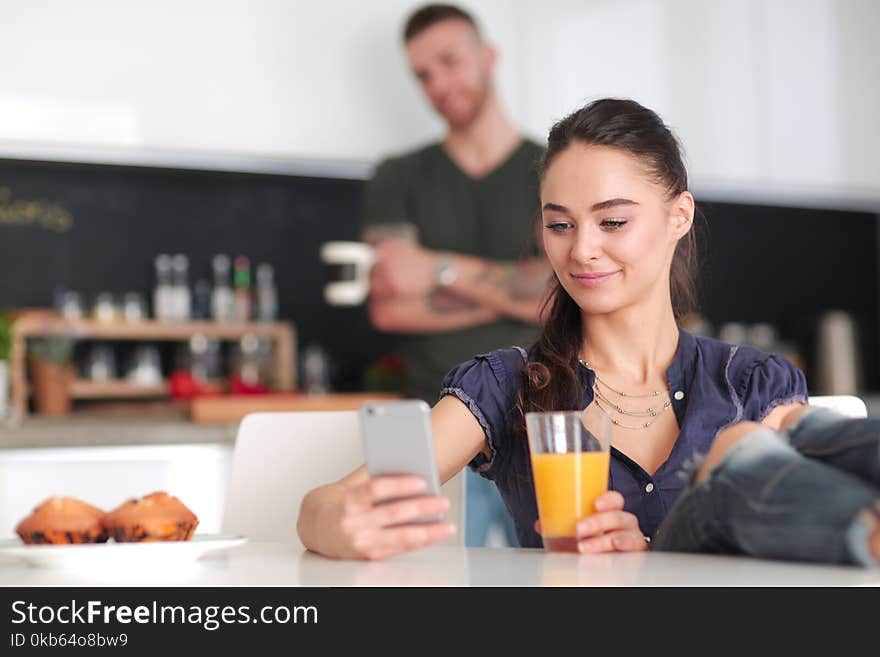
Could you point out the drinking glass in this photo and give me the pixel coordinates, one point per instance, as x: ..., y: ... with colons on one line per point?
x: 570, y: 462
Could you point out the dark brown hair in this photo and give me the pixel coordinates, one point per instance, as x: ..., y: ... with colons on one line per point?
x: 424, y: 17
x: 549, y: 381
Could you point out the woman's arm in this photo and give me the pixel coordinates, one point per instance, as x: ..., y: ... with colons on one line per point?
x: 782, y: 417
x: 342, y: 520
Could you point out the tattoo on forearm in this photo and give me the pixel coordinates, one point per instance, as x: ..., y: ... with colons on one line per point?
x: 444, y: 302
x: 523, y: 281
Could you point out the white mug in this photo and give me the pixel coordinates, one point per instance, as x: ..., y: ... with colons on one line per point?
x: 347, y: 271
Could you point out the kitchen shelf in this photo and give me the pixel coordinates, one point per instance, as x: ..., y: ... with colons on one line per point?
x: 144, y: 330
x: 118, y: 389
x: 37, y: 323
x: 232, y: 408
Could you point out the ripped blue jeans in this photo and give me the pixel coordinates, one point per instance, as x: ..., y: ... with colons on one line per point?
x: 811, y: 493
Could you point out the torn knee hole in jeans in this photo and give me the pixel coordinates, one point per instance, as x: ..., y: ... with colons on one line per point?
x: 861, y: 533
x: 690, y: 467
x: 751, y: 446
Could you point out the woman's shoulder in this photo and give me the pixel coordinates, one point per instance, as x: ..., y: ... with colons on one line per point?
x: 744, y: 366
x: 501, y: 365
x: 735, y: 356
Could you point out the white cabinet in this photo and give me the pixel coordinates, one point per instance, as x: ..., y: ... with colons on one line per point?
x: 266, y: 78
x: 774, y: 100
x: 198, y: 474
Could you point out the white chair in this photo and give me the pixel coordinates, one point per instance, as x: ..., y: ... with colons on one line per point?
x: 279, y: 457
x: 848, y: 405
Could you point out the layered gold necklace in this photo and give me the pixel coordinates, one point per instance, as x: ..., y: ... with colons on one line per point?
x: 653, y: 411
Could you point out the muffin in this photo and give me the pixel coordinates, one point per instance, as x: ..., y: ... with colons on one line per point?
x: 154, y: 517
x: 63, y: 520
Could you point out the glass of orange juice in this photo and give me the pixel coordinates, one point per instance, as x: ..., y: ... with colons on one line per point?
x: 570, y: 461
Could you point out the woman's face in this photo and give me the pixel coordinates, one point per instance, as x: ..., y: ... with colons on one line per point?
x: 609, y: 230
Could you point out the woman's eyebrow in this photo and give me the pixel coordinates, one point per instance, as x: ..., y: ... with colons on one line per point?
x: 556, y: 207
x: 612, y: 203
x: 602, y: 205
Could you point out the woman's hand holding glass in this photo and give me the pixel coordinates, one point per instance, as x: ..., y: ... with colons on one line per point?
x: 609, y: 529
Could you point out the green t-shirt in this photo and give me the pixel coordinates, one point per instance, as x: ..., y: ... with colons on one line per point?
x: 493, y: 217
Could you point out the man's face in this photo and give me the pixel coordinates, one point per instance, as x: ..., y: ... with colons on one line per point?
x: 454, y: 68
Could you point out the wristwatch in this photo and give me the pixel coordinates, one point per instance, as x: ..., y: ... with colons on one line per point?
x: 444, y: 271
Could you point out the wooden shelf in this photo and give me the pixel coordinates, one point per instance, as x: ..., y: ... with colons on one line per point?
x: 117, y: 389
x: 144, y: 330
x: 232, y: 408
x: 37, y: 323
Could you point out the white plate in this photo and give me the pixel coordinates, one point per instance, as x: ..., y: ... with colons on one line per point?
x: 135, y: 556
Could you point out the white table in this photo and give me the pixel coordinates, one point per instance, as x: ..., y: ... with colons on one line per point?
x: 275, y: 564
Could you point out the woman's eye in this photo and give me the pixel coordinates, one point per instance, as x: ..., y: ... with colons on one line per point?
x: 613, y: 224
x: 558, y: 226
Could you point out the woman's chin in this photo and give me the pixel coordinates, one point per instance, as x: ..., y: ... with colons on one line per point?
x: 596, y: 305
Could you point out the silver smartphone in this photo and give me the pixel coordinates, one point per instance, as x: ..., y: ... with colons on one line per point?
x: 398, y: 440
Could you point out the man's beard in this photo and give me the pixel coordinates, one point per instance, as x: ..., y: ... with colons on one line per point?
x: 479, y: 97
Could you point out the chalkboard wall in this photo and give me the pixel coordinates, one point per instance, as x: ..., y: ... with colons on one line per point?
x: 94, y: 228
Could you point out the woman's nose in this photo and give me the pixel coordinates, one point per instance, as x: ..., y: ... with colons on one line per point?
x: 587, y: 245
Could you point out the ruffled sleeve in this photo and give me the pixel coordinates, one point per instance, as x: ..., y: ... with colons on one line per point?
x: 488, y: 385
x: 767, y: 382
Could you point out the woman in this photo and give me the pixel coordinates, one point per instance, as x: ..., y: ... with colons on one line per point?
x: 714, y: 447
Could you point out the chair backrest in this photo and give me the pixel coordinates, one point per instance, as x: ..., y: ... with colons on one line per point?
x: 279, y: 457
x: 849, y: 405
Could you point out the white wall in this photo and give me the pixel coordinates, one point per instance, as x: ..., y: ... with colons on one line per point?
x: 264, y: 77
x: 773, y: 99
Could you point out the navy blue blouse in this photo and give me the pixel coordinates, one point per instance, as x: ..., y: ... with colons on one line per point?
x: 720, y: 384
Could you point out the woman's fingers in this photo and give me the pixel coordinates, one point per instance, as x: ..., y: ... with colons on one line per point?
x: 606, y: 521
x: 631, y: 541
x: 404, y: 511
x: 379, y: 517
x: 379, y: 489
x: 387, y: 542
x: 619, y: 541
x: 610, y: 501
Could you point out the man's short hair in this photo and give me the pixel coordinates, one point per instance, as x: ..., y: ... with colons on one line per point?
x: 424, y: 17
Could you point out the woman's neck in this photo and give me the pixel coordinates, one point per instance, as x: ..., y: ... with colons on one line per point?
x: 633, y: 345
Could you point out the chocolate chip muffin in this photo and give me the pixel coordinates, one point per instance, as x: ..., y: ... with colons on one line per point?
x: 154, y: 517
x: 63, y: 520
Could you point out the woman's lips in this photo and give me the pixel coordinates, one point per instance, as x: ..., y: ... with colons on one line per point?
x: 593, y: 280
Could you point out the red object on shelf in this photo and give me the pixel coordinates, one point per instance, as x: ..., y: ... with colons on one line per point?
x: 183, y: 385
x: 237, y: 386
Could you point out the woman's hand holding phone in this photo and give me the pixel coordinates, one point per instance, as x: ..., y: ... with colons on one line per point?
x: 373, y: 518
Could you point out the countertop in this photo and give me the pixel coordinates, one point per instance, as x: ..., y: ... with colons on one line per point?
x: 154, y: 428
x: 204, y: 420
x: 274, y: 564
x: 95, y: 430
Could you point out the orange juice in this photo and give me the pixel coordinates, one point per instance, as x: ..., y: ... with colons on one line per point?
x: 567, y: 486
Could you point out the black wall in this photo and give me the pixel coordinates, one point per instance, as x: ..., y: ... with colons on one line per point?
x: 776, y: 264
x: 787, y: 266
x: 122, y: 217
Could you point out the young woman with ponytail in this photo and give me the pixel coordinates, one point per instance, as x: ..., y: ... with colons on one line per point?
x: 714, y: 446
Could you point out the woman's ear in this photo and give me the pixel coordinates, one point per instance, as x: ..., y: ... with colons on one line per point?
x: 682, y: 214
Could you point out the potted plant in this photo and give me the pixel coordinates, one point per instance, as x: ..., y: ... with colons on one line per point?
x: 49, y: 359
x: 5, y: 348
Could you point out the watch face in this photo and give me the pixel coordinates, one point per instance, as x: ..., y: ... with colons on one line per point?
x: 445, y: 273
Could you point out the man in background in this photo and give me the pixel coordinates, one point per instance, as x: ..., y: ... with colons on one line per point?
x: 475, y: 278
